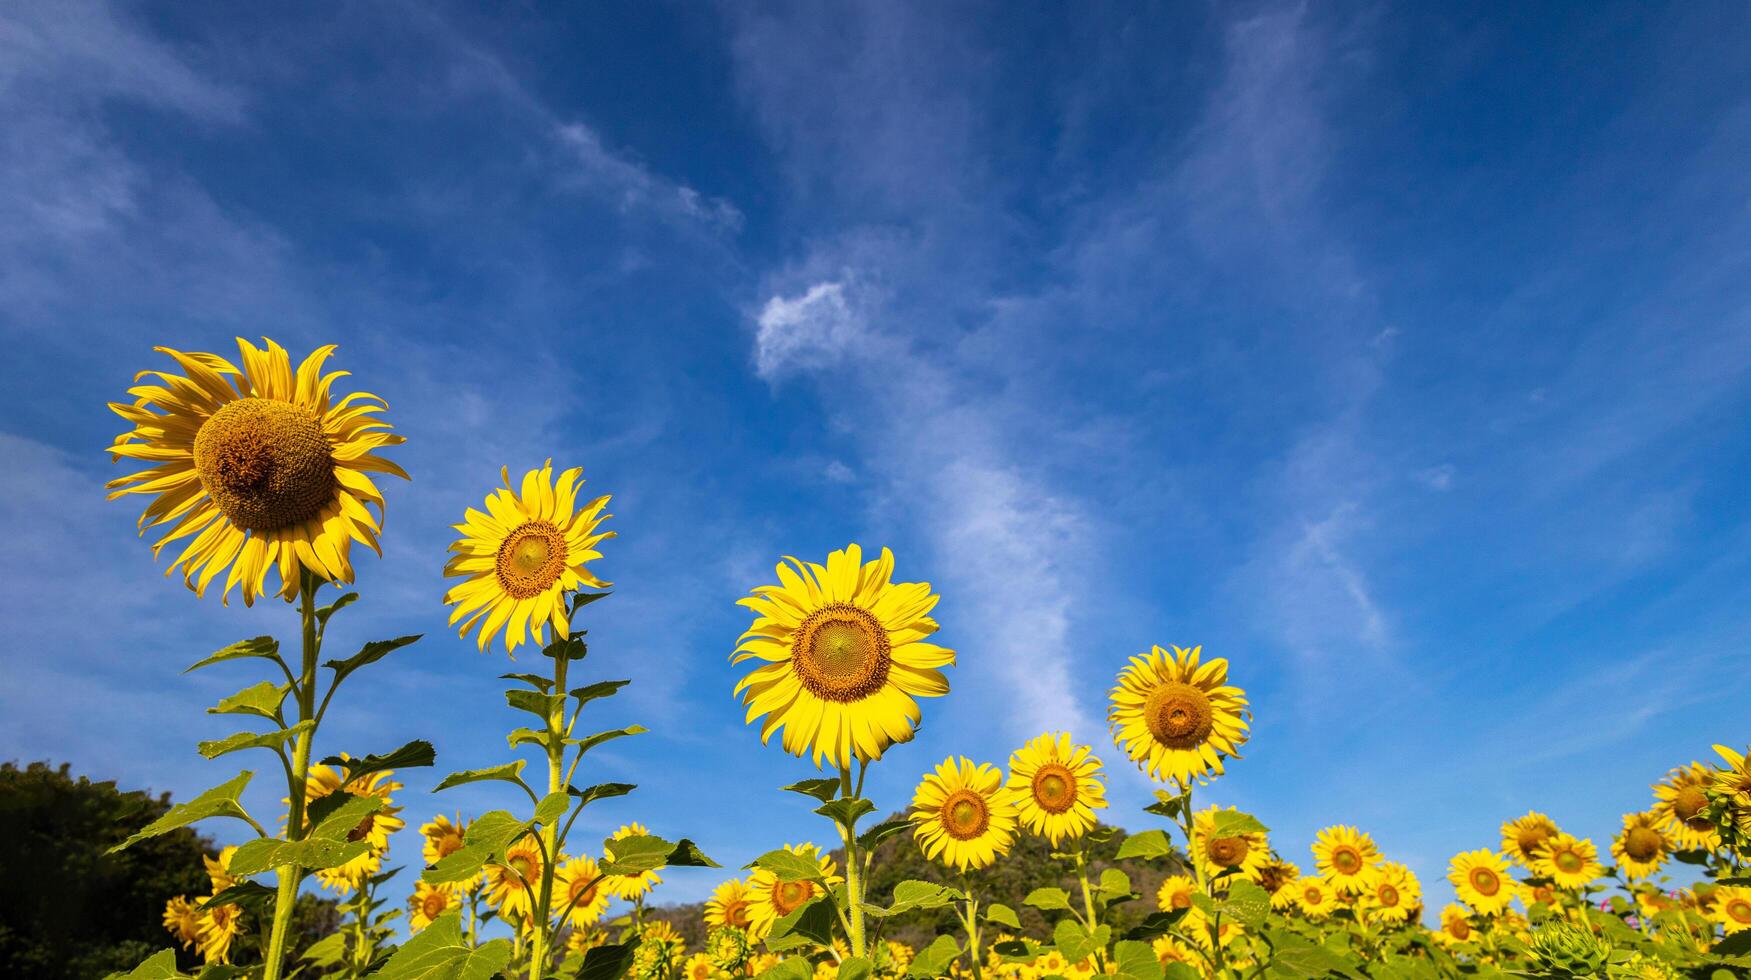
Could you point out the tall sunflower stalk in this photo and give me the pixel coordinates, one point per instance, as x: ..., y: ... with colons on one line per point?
x: 259, y: 471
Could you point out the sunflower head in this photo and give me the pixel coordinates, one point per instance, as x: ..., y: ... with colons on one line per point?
x: 1641, y: 846
x: 1455, y: 925
x: 183, y: 919
x: 1730, y: 794
x: 1481, y: 879
x: 1522, y: 836
x: 771, y: 899
x: 1394, y: 896
x: 1732, y: 908
x: 729, y: 905
x: 374, y: 828
x: 631, y: 886
x: 1226, y: 854
x: 843, y: 657
x: 1315, y: 897
x: 963, y: 815
x: 427, y: 903
x: 1058, y: 786
x: 511, y: 886
x: 218, y: 926
x: 1347, y: 857
x: 257, y: 466
x: 1568, y: 861
x: 577, y: 886
x: 1175, y: 714
x: 1681, y: 801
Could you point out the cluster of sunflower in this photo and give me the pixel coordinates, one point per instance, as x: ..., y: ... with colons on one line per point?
x: 205, y: 925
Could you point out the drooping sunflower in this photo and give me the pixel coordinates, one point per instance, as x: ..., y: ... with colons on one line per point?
x: 963, y: 815
x: 219, y: 869
x: 522, y: 555
x: 1058, y: 787
x: 1481, y: 879
x: 770, y: 899
x: 1278, y: 878
x: 427, y: 903
x: 1731, y: 791
x: 1175, y: 893
x: 1393, y: 897
x: 1680, y: 800
x: 1347, y: 858
x: 631, y: 887
x: 845, y: 657
x: 375, y: 827
x: 1641, y: 846
x: 1315, y: 897
x: 1224, y: 858
x: 219, y: 925
x: 729, y: 905
x: 1732, y: 908
x: 1177, y: 717
x: 511, y: 886
x: 1567, y: 860
x: 1522, y: 836
x: 183, y: 920
x: 258, y: 466
x: 575, y: 886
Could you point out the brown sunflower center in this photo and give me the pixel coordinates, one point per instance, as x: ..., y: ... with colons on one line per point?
x: 449, y: 844
x: 1688, y: 804
x: 788, y: 896
x: 1459, y: 929
x: 1387, y: 895
x: 1054, y: 788
x: 736, y: 913
x: 1312, y: 895
x: 265, y: 463
x: 363, y: 830
x: 1484, y: 881
x: 1528, y: 838
x: 531, y: 559
x: 1227, y: 852
x: 1181, y: 899
x: 1543, y: 893
x: 1739, y: 910
x: 1567, y: 861
x: 1178, y: 715
x: 1642, y: 844
x: 434, y: 904
x: 582, y: 891
x: 965, y: 815
x: 524, y: 871
x: 1346, y: 859
x: 1274, y: 876
x: 841, y: 653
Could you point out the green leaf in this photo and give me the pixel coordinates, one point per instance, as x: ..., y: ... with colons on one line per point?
x: 647, y: 852
x: 910, y: 895
x: 326, y: 951
x: 1048, y: 899
x: 1180, y: 971
x: 792, y: 968
x: 881, y: 832
x: 607, y: 962
x: 569, y: 648
x: 789, y: 866
x: 1114, y: 883
x: 811, y: 924
x: 1136, y: 960
x: 486, y: 838
x: 370, y: 653
x: 327, y: 846
x: 601, y: 791
x: 855, y: 968
x: 543, y: 706
x: 253, y: 740
x: 934, y: 960
x: 1233, y: 823
x: 552, y: 807
x: 1246, y: 902
x: 1156, y: 924
x: 510, y: 772
x: 589, y: 742
x: 1076, y: 942
x: 159, y: 966
x: 526, y: 736
x: 1297, y: 958
x: 536, y: 681
x: 257, y: 699
x: 413, y: 755
x: 1738, y: 944
x: 687, y: 854
x: 265, y: 647
x: 600, y: 689
x: 340, y: 602
x: 245, y: 895
x: 1168, y: 805
x: 438, y: 952
x: 1147, y: 844
x: 825, y: 790
x: 1003, y: 915
x: 846, y: 812
x: 220, y: 801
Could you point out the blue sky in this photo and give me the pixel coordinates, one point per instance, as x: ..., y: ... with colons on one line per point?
x: 1400, y: 355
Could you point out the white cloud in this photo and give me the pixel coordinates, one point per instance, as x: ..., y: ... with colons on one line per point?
x: 634, y: 186
x: 806, y: 332
x: 838, y: 472
x: 1438, y: 477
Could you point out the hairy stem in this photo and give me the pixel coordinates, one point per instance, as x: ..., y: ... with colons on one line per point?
x: 550, y: 833
x: 286, y: 897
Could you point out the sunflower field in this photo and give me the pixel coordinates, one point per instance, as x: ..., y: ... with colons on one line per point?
x: 257, y: 476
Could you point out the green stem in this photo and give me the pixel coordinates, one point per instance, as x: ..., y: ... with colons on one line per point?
x: 550, y: 833
x: 286, y: 897
x: 972, y: 924
x: 853, y: 867
x: 1212, y: 922
x: 1082, y: 876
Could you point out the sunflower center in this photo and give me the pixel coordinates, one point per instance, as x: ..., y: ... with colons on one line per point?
x: 1739, y: 910
x: 363, y: 830
x: 531, y: 559
x: 965, y: 815
x: 1484, y: 881
x: 1687, y: 806
x: 1313, y: 895
x: 448, y: 845
x: 1054, y: 788
x: 1178, y: 715
x: 1346, y: 860
x: 1387, y: 895
x: 1227, y: 852
x: 1529, y: 839
x: 1642, y: 844
x: 736, y: 913
x: 1567, y: 862
x: 1543, y: 893
x: 1181, y: 900
x: 841, y: 653
x: 433, y: 904
x: 265, y: 463
x: 582, y: 892
x: 1459, y: 929
x: 789, y: 896
x: 524, y: 868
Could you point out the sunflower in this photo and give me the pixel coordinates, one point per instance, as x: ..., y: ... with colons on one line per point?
x: 575, y: 885
x: 1732, y: 908
x: 183, y: 919
x: 1222, y: 859
x: 728, y: 948
x: 965, y: 817
x: 427, y: 903
x: 729, y: 905
x: 1481, y: 879
x: 375, y: 827
x: 1315, y: 897
x: 1731, y: 791
x: 1522, y: 836
x: 1641, y: 847
x: 1347, y: 858
x: 1170, y: 950
x: 1278, y: 878
x: 442, y: 838
x: 257, y: 465
x: 770, y: 899
x: 581, y: 941
x: 1227, y: 931
x: 1680, y: 800
x: 1394, y: 896
x: 1540, y: 892
x: 899, y: 956
x: 522, y: 555
x: 1058, y: 787
x: 1455, y: 926
x: 631, y: 887
x: 1568, y: 861
x: 219, y: 924
x: 510, y: 887
x: 698, y: 967
x: 219, y: 869
x: 1175, y: 893
x: 845, y: 657
x: 1177, y: 718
